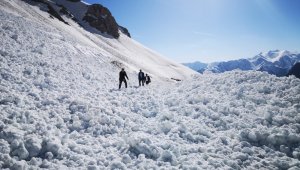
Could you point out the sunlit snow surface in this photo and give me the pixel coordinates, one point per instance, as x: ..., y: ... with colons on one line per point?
x: 60, y: 108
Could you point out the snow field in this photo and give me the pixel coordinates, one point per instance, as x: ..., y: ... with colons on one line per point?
x: 61, y: 109
x: 234, y: 120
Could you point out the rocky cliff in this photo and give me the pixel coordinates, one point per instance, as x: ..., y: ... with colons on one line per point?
x: 100, y: 18
x: 95, y: 15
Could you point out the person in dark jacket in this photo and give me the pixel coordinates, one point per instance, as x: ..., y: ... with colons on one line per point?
x: 122, y: 77
x: 141, y: 77
x: 148, y: 79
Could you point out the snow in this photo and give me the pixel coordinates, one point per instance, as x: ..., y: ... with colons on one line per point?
x: 275, y: 55
x: 61, y: 109
x: 276, y: 62
x: 198, y: 66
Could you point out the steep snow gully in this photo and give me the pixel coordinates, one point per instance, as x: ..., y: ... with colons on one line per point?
x: 60, y: 109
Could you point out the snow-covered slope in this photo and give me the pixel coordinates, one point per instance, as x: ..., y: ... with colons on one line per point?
x: 236, y: 120
x: 274, y: 62
x: 59, y: 107
x: 62, y: 38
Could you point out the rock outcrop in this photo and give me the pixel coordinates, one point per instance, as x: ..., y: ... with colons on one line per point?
x: 96, y: 15
x: 53, y: 13
x: 125, y: 31
x: 295, y: 70
x: 100, y: 18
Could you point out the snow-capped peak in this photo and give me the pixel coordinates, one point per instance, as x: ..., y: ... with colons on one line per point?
x: 277, y: 62
x: 272, y: 55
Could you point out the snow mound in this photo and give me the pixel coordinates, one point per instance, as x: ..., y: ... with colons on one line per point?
x: 234, y: 120
x: 61, y: 109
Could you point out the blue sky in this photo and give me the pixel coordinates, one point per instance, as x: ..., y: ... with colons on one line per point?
x: 210, y: 30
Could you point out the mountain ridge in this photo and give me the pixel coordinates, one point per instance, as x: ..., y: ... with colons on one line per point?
x: 277, y: 62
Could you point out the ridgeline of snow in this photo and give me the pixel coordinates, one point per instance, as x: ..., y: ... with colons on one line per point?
x: 274, y: 62
x: 60, y: 108
x: 272, y: 56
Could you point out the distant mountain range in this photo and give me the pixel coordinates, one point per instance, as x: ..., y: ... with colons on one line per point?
x: 197, y: 66
x: 277, y: 62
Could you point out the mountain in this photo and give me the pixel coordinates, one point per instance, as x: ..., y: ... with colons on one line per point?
x: 91, y: 17
x: 93, y: 27
x: 197, y: 66
x: 295, y: 70
x: 219, y: 67
x: 61, y: 108
x: 274, y: 62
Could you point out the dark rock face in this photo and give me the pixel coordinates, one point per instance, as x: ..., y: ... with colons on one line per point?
x: 295, y: 70
x: 125, y: 31
x: 53, y: 13
x: 100, y: 18
x: 97, y: 16
x: 65, y: 12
